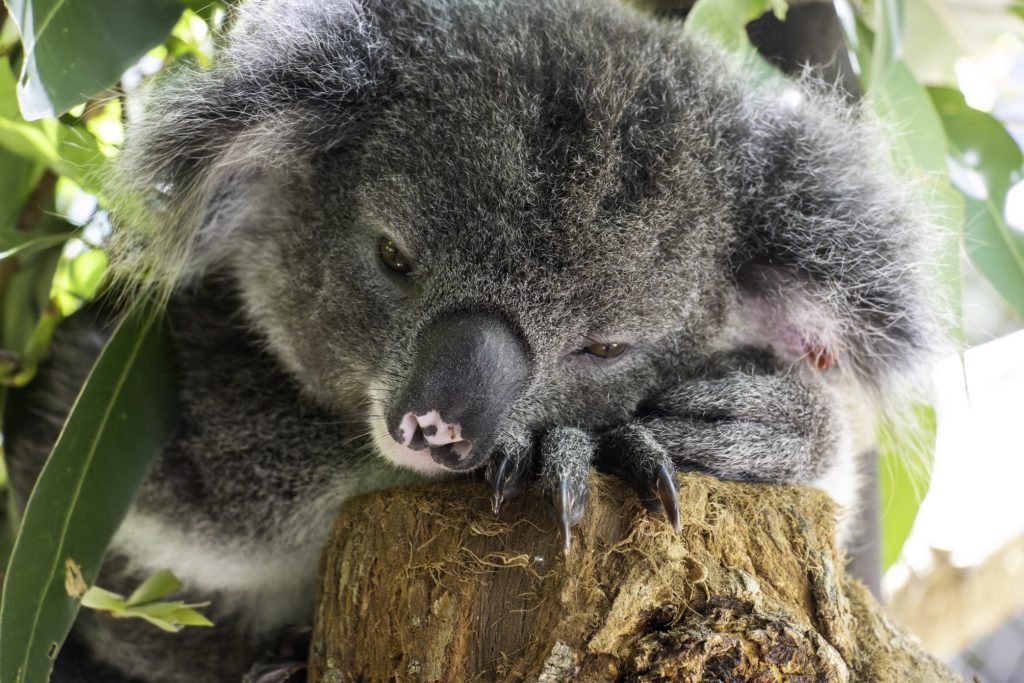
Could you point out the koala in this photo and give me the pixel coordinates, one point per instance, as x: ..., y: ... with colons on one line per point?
x: 405, y: 239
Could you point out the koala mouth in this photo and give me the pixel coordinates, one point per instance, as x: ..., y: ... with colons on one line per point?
x: 421, y: 460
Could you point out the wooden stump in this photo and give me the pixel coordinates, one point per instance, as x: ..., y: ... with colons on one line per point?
x: 425, y: 584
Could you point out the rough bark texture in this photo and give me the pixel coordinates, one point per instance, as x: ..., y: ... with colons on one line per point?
x: 426, y: 584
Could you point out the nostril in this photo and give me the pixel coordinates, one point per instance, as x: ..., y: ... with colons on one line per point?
x: 411, y: 435
x: 451, y: 454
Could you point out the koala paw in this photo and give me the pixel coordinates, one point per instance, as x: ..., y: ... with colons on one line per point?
x: 634, y: 455
x: 566, y: 455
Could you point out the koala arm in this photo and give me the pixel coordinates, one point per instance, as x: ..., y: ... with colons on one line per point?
x: 745, y: 416
x: 748, y: 418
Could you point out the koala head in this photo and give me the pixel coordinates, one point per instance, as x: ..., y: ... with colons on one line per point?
x: 453, y: 220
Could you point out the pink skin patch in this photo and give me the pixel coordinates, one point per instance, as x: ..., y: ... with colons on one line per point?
x: 435, y: 431
x: 407, y: 458
x: 798, y: 331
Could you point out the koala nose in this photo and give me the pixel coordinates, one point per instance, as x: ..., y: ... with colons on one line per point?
x: 466, y: 372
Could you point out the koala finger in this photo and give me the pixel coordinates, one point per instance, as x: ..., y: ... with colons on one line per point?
x: 634, y: 455
x: 510, y: 468
x: 566, y: 454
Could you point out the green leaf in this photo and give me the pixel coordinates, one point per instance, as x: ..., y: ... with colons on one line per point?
x: 102, y: 599
x: 187, y: 616
x: 37, y: 244
x: 726, y: 22
x: 77, y: 48
x: 897, y: 98
x: 122, y: 417
x: 985, y: 162
x: 915, y: 134
x: 162, y: 583
x: 71, y: 151
x: 26, y: 296
x: 903, y: 471
x: 887, y: 47
x: 169, y: 616
x: 18, y: 177
x: 78, y: 279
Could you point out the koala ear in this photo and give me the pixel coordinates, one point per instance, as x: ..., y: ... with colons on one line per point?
x: 206, y: 147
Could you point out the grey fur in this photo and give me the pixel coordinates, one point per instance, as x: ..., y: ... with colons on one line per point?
x: 573, y: 167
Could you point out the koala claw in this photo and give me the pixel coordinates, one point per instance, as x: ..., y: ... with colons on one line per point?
x: 665, y: 489
x: 567, y: 453
x: 633, y: 454
x: 508, y: 471
x: 569, y: 507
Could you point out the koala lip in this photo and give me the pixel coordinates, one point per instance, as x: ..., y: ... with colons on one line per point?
x: 421, y: 461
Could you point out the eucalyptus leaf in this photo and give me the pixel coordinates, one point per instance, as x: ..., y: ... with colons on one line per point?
x: 170, y: 616
x: 25, y: 297
x: 36, y: 244
x: 124, y: 414
x: 161, y: 583
x: 109, y: 36
x: 726, y: 22
x: 904, y: 472
x: 887, y: 47
x: 102, y: 599
x: 67, y: 150
x: 187, y: 616
x: 986, y: 163
x: 18, y: 177
x: 898, y: 99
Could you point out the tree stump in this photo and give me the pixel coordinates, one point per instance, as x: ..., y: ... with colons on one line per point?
x: 426, y: 584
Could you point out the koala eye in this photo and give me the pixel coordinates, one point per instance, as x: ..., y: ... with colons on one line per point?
x: 604, y: 350
x: 392, y: 257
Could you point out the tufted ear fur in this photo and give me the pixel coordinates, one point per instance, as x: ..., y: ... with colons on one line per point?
x: 831, y: 264
x: 204, y: 156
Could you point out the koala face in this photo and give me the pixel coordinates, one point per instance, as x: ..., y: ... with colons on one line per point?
x: 481, y: 259
x: 449, y: 238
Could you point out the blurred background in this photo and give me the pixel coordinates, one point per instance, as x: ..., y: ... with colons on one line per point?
x: 946, y: 79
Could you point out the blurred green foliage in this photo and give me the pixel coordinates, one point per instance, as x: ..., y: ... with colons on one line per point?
x: 65, y: 68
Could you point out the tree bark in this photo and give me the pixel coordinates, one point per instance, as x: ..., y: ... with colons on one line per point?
x: 427, y: 584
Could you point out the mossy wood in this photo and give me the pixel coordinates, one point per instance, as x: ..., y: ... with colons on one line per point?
x: 426, y: 584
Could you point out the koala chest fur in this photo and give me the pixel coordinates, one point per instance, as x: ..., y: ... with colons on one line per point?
x: 428, y: 237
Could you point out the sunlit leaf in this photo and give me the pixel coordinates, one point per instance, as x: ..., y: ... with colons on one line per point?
x: 904, y: 469
x: 161, y: 583
x: 121, y: 419
x: 78, y: 279
x: 37, y: 244
x: 985, y: 162
x: 887, y: 46
x: 67, y: 150
x: 109, y: 36
x: 726, y: 21
x: 144, y: 603
x: 102, y: 599
x: 942, y: 31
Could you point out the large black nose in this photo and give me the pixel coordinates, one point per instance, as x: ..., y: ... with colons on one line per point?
x: 466, y: 372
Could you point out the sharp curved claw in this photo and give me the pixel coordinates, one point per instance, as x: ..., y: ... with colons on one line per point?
x: 501, y: 476
x: 666, y: 490
x: 563, y: 512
